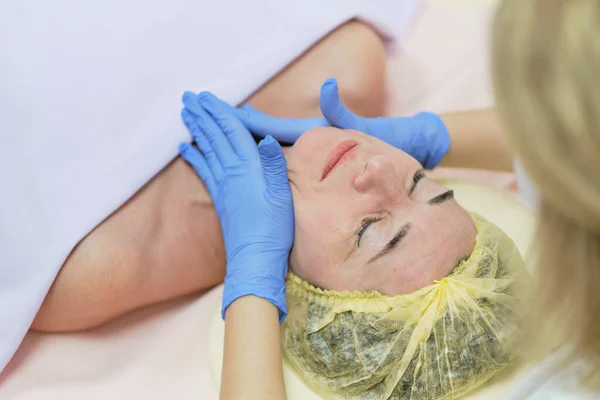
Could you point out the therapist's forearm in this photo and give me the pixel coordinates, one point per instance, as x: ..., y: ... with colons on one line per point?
x: 476, y: 141
x: 252, y: 365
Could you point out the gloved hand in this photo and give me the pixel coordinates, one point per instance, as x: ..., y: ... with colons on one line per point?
x: 423, y: 136
x: 251, y: 194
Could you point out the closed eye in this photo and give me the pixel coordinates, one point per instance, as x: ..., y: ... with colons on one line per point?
x: 419, y: 174
x: 365, y: 223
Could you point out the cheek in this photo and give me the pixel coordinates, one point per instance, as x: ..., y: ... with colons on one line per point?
x: 309, y: 256
x: 455, y: 239
x: 312, y: 146
x: 320, y: 220
x: 416, y: 269
x: 311, y: 264
x: 315, y: 256
x: 438, y: 241
x: 462, y: 230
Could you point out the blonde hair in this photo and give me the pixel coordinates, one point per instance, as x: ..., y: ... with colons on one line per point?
x: 546, y: 72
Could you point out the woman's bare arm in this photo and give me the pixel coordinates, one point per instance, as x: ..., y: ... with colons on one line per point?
x: 252, y: 366
x: 476, y: 141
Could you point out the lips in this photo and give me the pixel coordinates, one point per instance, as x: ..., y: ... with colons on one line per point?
x: 338, y: 156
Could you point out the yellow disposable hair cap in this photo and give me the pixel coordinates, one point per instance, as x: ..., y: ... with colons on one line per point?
x: 439, y: 342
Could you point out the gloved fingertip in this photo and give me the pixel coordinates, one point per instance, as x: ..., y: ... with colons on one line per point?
x: 330, y: 82
x: 183, y: 147
x: 270, y: 147
x: 190, y: 102
x: 203, y: 96
x: 187, y: 95
x: 248, y: 107
x: 267, y: 142
x: 329, y: 93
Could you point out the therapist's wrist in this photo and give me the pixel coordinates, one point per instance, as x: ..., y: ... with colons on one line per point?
x: 273, y: 291
x: 257, y: 274
x: 257, y: 266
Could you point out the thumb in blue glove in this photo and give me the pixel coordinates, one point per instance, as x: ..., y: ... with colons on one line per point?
x: 275, y: 170
x: 278, y: 193
x: 336, y: 113
x: 423, y: 136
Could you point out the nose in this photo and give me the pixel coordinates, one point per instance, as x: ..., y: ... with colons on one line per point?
x: 379, y: 177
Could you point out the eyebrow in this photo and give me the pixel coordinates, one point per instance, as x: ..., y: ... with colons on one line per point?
x: 440, y: 198
x: 392, y: 244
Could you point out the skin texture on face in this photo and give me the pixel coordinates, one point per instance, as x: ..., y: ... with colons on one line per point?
x: 410, y: 236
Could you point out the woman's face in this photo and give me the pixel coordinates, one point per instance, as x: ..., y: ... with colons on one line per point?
x: 372, y: 222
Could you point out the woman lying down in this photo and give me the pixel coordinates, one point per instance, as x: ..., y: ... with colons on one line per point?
x: 394, y: 290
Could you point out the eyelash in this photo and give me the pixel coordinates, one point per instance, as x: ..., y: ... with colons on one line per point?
x: 363, y: 227
x: 418, y: 176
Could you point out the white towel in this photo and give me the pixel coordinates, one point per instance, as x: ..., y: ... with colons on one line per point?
x: 89, y: 108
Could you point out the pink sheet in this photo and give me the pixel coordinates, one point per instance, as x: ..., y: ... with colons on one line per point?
x: 160, y: 352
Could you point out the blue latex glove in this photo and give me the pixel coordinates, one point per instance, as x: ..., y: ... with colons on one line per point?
x: 251, y: 194
x: 423, y: 136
